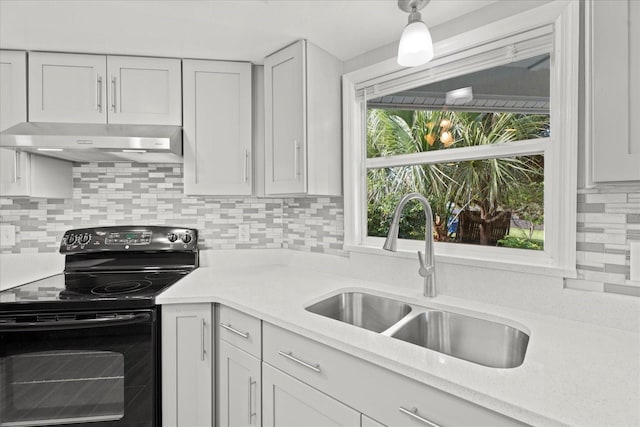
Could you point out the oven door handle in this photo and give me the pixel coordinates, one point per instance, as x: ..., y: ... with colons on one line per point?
x: 118, y: 320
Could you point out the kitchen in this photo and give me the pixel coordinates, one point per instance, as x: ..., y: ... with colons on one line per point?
x: 258, y: 269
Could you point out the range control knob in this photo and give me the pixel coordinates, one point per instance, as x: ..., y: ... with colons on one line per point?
x: 172, y: 237
x: 71, y: 239
x: 85, y: 238
x: 186, y: 238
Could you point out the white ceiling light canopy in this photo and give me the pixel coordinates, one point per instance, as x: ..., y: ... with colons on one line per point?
x: 416, y: 46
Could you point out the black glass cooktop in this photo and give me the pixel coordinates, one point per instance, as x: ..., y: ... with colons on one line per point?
x: 90, y: 290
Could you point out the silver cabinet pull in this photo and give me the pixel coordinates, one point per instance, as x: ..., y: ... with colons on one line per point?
x: 202, y: 349
x: 99, y: 95
x: 234, y: 330
x: 247, y: 157
x: 252, y: 412
x: 290, y: 356
x: 113, y: 94
x: 413, y: 413
x: 296, y: 158
x: 16, y: 166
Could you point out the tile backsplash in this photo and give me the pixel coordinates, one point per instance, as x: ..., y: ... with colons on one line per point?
x: 608, y: 220
x: 133, y: 193
x: 152, y: 194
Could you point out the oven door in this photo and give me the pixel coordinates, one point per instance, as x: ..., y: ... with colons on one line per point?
x: 97, y: 369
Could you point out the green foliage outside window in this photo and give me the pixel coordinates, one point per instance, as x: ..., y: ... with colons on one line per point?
x: 487, y: 188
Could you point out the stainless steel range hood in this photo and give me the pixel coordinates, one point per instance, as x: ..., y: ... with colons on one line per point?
x: 97, y: 142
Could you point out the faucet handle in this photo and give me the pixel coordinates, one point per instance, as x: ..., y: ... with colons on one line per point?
x: 423, y: 268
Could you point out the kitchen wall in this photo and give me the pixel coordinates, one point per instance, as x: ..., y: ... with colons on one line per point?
x: 133, y: 193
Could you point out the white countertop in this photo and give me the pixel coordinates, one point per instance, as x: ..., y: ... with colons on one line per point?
x: 574, y: 373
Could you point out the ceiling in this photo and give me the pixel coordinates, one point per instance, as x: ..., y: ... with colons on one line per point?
x: 245, y: 30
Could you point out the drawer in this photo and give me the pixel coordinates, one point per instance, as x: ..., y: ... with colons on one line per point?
x: 385, y: 396
x: 240, y: 330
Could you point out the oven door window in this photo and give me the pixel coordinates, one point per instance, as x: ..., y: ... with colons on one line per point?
x: 63, y: 386
x: 78, y: 375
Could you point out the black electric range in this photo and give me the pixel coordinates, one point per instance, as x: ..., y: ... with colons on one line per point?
x: 83, y: 347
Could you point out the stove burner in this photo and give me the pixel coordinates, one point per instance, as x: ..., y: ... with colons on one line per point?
x: 121, y: 287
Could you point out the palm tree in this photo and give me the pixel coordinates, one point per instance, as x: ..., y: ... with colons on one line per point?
x: 481, y: 184
x: 402, y: 132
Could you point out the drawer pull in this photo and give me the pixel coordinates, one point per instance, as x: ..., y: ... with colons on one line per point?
x: 290, y: 356
x: 413, y: 413
x: 234, y: 330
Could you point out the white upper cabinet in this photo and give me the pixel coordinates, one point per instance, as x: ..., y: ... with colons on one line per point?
x: 13, y: 87
x: 23, y: 174
x: 144, y: 90
x: 78, y: 88
x: 303, y: 139
x: 67, y: 88
x: 613, y: 67
x: 217, y: 128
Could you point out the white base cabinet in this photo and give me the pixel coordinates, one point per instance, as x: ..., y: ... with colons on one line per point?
x: 187, y: 365
x: 239, y: 387
x: 272, y: 377
x: 239, y: 371
x: 389, y: 398
x: 288, y: 402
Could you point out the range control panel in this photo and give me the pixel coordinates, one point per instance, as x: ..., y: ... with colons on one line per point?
x: 129, y: 238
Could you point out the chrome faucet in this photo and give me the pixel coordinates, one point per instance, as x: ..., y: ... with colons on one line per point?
x: 427, y: 262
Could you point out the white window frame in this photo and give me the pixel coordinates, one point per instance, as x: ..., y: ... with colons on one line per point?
x: 552, y: 27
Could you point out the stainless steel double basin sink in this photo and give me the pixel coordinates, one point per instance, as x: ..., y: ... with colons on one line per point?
x: 470, y: 338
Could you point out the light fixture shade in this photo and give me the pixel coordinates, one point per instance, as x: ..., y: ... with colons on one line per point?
x: 416, y: 46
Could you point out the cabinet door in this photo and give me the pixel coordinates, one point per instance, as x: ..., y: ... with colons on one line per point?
x: 13, y: 88
x: 217, y: 128
x: 187, y: 374
x: 285, y: 121
x: 67, y: 88
x: 288, y: 402
x: 614, y: 51
x: 14, y: 173
x: 13, y: 110
x: 239, y: 387
x: 144, y: 90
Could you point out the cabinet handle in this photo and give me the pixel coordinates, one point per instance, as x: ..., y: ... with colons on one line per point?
x: 99, y: 95
x: 290, y: 356
x: 113, y: 94
x: 296, y: 158
x: 247, y: 157
x: 235, y: 331
x: 252, y: 412
x: 413, y: 413
x: 202, y: 349
x: 16, y: 166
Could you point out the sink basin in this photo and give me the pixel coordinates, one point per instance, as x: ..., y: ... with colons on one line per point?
x: 363, y: 310
x: 476, y: 340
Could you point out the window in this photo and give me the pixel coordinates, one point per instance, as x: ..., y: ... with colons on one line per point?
x: 502, y: 156
x: 496, y: 201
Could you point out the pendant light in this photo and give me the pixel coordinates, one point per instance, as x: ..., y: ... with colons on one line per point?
x: 416, y: 46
